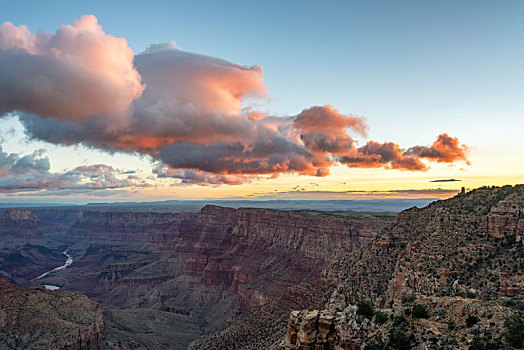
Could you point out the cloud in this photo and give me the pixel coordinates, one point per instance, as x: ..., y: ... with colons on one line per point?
x: 79, y: 72
x: 203, y: 178
x: 30, y: 173
x: 324, y: 129
x: 95, y: 169
x: 189, y: 112
x: 445, y: 149
x: 445, y: 180
x: 161, y: 47
x: 388, y: 155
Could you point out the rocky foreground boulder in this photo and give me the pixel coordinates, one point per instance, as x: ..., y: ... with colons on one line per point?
x: 34, y: 318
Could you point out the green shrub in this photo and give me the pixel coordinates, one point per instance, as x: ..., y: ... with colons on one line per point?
x: 381, y: 317
x: 470, y: 295
x: 482, y: 344
x: 514, y: 334
x: 471, y: 320
x: 451, y: 325
x: 311, y: 308
x: 407, y: 311
x: 365, y: 309
x: 398, y: 339
x: 419, y: 311
x: 398, y: 320
x: 377, y: 344
x: 408, y: 298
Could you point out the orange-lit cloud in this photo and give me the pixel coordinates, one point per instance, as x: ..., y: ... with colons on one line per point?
x: 324, y: 130
x: 187, y: 111
x: 445, y: 149
x: 376, y: 155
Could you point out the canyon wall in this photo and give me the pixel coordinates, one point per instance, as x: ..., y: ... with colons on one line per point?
x: 258, y: 253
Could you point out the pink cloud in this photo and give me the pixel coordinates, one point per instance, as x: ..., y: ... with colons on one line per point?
x: 77, y: 73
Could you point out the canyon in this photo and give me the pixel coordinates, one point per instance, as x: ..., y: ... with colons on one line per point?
x: 164, y: 279
x: 446, y: 276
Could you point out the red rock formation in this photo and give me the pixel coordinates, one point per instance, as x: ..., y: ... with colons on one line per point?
x: 507, y: 218
x: 259, y: 253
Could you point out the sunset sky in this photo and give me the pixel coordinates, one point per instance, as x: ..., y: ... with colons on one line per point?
x: 154, y: 100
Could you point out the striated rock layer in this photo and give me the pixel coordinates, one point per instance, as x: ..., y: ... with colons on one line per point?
x: 32, y: 318
x: 259, y: 253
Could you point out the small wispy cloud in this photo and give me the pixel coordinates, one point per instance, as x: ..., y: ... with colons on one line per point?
x: 445, y: 180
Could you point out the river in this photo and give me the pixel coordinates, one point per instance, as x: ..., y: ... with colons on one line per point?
x: 68, y: 262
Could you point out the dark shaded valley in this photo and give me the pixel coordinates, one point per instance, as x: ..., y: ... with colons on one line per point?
x: 246, y: 278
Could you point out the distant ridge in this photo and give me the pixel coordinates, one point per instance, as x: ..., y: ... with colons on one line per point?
x: 389, y: 204
x: 324, y: 205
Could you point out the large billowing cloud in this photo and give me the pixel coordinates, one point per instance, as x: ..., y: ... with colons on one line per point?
x: 185, y: 110
x: 79, y: 72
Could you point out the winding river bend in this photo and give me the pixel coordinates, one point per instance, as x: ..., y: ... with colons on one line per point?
x: 68, y: 262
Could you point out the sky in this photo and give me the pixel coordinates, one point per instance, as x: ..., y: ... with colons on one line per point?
x: 136, y: 100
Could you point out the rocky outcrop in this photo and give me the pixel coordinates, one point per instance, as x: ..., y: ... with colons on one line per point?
x: 507, y: 218
x: 445, y: 324
x: 264, y: 326
x: 21, y: 223
x: 32, y: 318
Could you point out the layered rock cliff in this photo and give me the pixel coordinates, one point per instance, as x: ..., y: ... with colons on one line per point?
x: 32, y: 318
x: 449, y: 247
x: 258, y: 253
